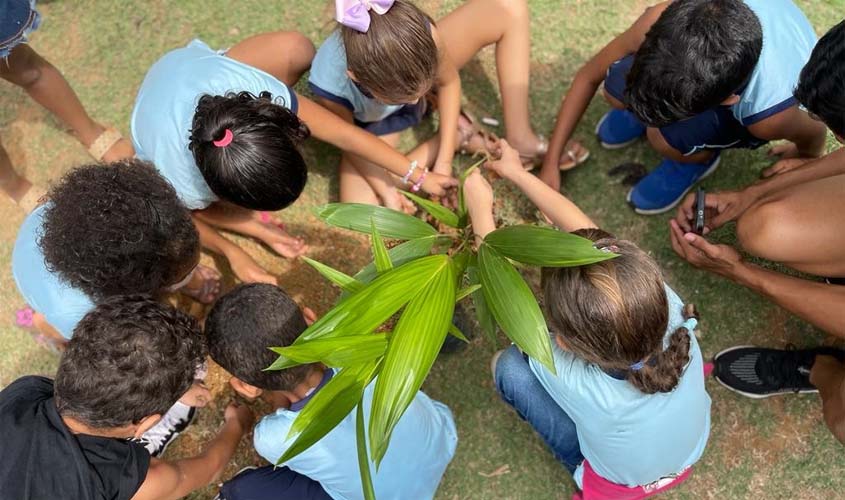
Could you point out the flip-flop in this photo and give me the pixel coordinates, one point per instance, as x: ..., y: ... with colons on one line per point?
x: 104, y: 143
x: 572, y: 159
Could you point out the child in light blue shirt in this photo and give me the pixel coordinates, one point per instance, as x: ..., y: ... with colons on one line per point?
x: 626, y: 406
x: 239, y: 329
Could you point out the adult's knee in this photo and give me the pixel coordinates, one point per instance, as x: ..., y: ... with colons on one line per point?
x: 760, y: 230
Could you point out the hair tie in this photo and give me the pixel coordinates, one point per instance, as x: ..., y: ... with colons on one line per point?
x: 226, y: 140
x: 355, y: 14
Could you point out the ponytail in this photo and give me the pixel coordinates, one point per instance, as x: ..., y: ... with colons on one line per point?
x: 663, y: 371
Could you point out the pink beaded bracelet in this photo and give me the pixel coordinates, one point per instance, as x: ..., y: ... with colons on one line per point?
x: 417, y: 185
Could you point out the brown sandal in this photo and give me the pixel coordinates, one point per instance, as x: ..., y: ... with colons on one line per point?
x: 489, y: 138
x: 530, y: 161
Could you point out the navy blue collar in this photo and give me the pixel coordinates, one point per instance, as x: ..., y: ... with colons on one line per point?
x: 327, y: 375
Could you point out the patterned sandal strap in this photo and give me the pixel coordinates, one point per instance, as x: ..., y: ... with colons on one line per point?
x: 32, y: 198
x: 102, y: 144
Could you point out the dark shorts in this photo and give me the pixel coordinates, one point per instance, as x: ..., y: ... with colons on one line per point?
x: 18, y: 18
x: 271, y: 483
x: 715, y: 129
x: 406, y: 117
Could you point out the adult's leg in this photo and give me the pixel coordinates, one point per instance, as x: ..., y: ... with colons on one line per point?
x: 800, y: 227
x: 479, y: 23
x: 519, y: 388
x: 284, y: 54
x: 271, y: 483
x: 46, y: 85
x: 828, y: 375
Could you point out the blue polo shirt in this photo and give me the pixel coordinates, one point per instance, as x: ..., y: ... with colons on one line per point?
x: 631, y: 438
x: 164, y: 111
x: 422, y: 445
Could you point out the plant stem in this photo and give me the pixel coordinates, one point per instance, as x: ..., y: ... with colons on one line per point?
x: 363, y: 461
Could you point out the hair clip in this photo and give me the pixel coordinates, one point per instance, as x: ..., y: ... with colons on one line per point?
x: 355, y: 14
x: 226, y: 140
x: 607, y: 249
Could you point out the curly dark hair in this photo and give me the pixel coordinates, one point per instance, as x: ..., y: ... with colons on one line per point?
x: 129, y: 358
x: 118, y: 229
x: 697, y: 54
x: 244, y: 324
x: 821, y: 88
x: 262, y: 168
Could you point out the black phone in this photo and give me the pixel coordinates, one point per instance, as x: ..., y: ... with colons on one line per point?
x: 699, y: 211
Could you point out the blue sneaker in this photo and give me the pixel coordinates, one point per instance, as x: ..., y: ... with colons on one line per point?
x: 666, y: 185
x: 619, y: 128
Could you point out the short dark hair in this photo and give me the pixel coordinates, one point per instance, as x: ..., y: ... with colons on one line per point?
x: 697, y: 54
x: 244, y: 324
x: 262, y: 168
x: 129, y: 358
x: 821, y: 88
x: 118, y: 229
x: 397, y: 58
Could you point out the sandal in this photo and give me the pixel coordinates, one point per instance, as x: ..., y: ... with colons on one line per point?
x: 104, y: 143
x: 209, y: 288
x: 573, y: 158
x: 24, y: 319
x: 475, y: 130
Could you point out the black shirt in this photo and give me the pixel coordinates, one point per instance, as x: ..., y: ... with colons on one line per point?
x: 40, y: 458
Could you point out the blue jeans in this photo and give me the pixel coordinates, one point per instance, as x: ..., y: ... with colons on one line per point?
x: 519, y: 388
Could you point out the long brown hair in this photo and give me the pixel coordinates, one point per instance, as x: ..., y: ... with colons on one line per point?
x: 615, y: 314
x: 397, y: 58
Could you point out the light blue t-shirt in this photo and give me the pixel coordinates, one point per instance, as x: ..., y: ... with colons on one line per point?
x: 164, y: 111
x: 44, y: 291
x: 421, y: 448
x: 631, y: 438
x: 788, y: 41
x: 328, y: 79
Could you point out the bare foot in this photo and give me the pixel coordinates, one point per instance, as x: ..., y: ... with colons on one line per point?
x: 204, y: 285
x: 247, y: 270
x: 473, y: 140
x: 276, y: 237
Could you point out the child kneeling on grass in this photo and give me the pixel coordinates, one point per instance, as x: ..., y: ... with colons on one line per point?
x: 130, y: 360
x: 239, y: 330
x: 627, y: 412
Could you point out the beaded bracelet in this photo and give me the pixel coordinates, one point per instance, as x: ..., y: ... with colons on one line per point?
x: 406, y: 180
x: 417, y: 185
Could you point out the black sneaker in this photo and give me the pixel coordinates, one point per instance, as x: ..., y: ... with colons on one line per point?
x: 757, y: 373
x: 173, y: 423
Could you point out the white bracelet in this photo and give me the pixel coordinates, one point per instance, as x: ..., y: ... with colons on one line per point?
x: 407, y: 178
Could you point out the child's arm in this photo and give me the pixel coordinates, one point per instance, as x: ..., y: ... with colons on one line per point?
x: 479, y: 196
x: 584, y: 87
x: 242, y: 264
x: 172, y: 480
x: 562, y: 212
x: 796, y: 126
x: 448, y: 107
x: 328, y: 127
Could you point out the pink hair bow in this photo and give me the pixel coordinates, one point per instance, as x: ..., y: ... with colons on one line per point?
x: 355, y: 14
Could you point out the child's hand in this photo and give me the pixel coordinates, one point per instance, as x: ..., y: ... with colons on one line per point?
x: 309, y: 315
x: 240, y: 414
x: 197, y: 396
x: 509, y: 164
x: 438, y: 184
x: 478, y: 192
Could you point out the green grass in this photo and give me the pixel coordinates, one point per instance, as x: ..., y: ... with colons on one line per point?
x: 766, y: 449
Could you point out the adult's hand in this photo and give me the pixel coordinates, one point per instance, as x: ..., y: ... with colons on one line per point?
x: 720, y: 208
x: 723, y: 260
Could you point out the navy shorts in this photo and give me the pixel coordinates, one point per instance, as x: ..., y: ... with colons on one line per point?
x: 271, y: 483
x: 409, y: 115
x: 715, y: 129
x: 18, y: 18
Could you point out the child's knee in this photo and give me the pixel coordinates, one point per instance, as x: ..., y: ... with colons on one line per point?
x: 301, y: 46
x: 614, y: 102
x: 24, y: 67
x: 510, y: 371
x: 514, y: 8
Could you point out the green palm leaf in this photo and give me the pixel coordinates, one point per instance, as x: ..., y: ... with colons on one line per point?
x: 344, y: 281
x: 380, y: 256
x: 390, y: 223
x: 414, y: 345
x: 514, y: 306
x: 482, y: 311
x: 544, y: 246
x: 329, y: 406
x: 336, y: 352
x: 435, y: 209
